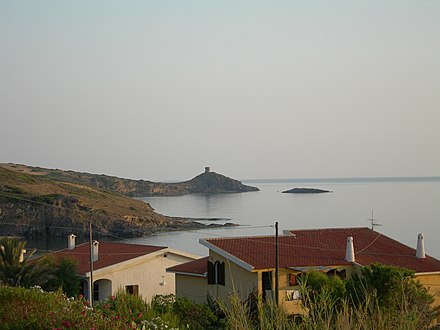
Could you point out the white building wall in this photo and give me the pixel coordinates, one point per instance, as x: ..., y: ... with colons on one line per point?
x: 148, y: 272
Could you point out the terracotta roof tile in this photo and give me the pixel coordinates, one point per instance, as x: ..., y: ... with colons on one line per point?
x: 324, y: 247
x: 110, y: 253
x: 196, y: 267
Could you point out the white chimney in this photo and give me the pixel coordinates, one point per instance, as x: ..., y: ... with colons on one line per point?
x: 95, y: 250
x: 21, y: 259
x: 420, y: 253
x: 71, y: 241
x: 349, y: 251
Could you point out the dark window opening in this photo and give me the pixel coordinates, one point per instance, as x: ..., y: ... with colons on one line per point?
x: 132, y: 289
x: 216, y: 273
x: 266, y: 279
x: 342, y: 274
x: 211, y: 273
x: 82, y: 288
x: 331, y: 273
x: 95, y: 292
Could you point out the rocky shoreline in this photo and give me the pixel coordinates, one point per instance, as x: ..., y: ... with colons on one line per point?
x: 181, y: 224
x: 35, y: 206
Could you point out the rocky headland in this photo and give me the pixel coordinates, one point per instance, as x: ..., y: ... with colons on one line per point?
x: 205, y: 183
x: 36, y: 202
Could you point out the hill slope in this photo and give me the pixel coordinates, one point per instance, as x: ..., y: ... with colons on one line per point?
x: 36, y: 205
x: 208, y: 182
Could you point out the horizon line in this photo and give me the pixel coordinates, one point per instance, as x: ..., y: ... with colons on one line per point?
x: 349, y: 179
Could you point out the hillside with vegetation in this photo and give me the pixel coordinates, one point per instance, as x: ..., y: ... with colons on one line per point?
x: 207, y: 182
x: 34, y: 205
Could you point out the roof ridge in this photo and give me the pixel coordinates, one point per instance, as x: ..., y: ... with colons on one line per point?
x: 123, y: 243
x: 238, y: 237
x: 282, y: 235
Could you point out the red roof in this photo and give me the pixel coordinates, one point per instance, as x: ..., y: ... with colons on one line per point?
x: 110, y: 253
x: 324, y: 247
x: 196, y: 267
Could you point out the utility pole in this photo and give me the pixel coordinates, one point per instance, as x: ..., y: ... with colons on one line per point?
x: 91, y: 267
x: 277, y: 284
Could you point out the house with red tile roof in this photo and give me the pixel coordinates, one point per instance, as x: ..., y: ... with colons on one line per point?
x: 247, y: 264
x: 137, y: 269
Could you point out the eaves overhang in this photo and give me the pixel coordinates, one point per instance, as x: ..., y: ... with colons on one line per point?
x: 427, y: 273
x: 188, y: 274
x: 126, y: 263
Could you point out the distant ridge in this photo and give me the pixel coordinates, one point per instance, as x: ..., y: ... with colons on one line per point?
x: 37, y: 202
x: 207, y: 182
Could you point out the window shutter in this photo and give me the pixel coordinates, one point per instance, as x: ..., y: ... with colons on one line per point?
x: 292, y: 279
x: 211, y: 273
x: 221, y: 273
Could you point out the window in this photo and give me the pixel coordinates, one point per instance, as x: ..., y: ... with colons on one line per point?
x: 342, y: 274
x: 216, y: 273
x: 132, y: 289
x: 266, y: 285
x: 292, y: 279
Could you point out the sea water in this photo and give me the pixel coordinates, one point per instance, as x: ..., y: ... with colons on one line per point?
x: 403, y: 207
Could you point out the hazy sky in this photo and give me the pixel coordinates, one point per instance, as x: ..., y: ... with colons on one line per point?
x: 254, y: 89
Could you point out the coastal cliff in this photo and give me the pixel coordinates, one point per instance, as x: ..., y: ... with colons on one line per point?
x: 36, y: 205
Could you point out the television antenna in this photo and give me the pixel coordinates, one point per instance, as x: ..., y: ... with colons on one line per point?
x: 373, y: 221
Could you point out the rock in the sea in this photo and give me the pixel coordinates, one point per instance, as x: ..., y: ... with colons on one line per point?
x: 306, y: 191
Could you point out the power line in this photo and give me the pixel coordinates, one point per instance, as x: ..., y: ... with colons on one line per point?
x: 252, y: 239
x: 66, y: 208
x: 249, y: 238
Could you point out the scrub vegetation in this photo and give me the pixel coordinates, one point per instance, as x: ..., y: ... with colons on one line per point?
x: 328, y: 306
x: 44, y: 294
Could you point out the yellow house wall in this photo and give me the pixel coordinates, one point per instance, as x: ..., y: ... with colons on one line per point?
x: 145, y: 272
x: 237, y: 279
x: 195, y: 288
x: 432, y: 283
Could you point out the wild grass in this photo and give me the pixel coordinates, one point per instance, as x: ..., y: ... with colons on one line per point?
x: 325, y: 312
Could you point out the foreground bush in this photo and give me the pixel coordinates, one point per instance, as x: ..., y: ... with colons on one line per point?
x: 33, y: 308
x: 22, y: 308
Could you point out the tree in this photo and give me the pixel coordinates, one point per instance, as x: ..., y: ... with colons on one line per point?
x: 15, y: 267
x: 317, y: 282
x: 395, y: 289
x: 65, y: 276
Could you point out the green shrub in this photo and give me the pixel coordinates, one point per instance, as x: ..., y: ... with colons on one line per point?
x: 33, y: 308
x: 65, y: 276
x: 194, y: 316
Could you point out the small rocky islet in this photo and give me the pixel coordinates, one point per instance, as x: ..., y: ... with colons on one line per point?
x: 306, y: 191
